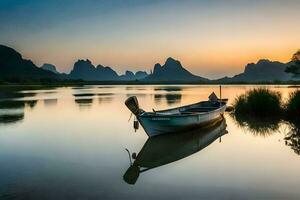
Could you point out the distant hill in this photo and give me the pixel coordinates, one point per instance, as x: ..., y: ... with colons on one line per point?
x: 85, y: 70
x: 262, y: 71
x: 50, y: 68
x: 130, y: 76
x: 172, y: 70
x: 14, y: 68
x: 293, y: 67
x: 141, y: 74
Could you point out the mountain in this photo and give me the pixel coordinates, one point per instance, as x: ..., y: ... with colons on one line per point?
x: 106, y: 73
x: 14, y: 68
x: 85, y: 70
x: 141, y: 74
x: 172, y: 70
x: 130, y: 76
x: 50, y: 68
x: 262, y: 71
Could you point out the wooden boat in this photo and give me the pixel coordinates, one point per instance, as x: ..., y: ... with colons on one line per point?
x: 180, y: 118
x: 165, y: 149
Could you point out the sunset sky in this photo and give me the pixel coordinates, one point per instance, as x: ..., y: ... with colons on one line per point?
x: 211, y: 38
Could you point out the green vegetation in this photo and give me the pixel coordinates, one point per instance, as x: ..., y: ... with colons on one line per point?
x: 260, y: 102
x: 261, y: 111
x: 292, y: 106
x: 294, y: 67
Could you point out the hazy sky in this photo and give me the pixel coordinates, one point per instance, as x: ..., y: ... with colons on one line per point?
x: 211, y: 38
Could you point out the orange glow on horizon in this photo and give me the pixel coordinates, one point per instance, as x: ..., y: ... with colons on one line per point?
x: 210, y: 39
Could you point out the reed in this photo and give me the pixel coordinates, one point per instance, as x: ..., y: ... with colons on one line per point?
x: 259, y: 102
x: 292, y: 106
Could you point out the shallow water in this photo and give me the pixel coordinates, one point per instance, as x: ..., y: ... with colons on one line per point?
x: 70, y: 143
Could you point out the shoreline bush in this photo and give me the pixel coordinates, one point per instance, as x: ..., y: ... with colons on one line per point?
x: 261, y: 110
x: 259, y: 102
x: 292, y: 106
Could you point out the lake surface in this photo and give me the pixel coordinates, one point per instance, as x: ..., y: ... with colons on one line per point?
x: 70, y: 143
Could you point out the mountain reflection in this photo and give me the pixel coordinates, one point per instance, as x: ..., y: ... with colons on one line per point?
x: 105, y: 97
x: 15, y: 94
x: 31, y: 103
x: 168, y: 89
x: 140, y: 95
x: 50, y: 102
x: 170, y: 98
x: 10, y: 119
x: 84, y: 103
x: 84, y: 95
x: 135, y: 88
x: 13, y: 111
x: 11, y: 104
x: 104, y: 100
x: 165, y: 149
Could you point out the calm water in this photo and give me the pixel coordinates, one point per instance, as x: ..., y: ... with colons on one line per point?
x: 70, y: 143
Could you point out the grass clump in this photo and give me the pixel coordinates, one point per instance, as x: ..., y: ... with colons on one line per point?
x: 292, y: 106
x: 259, y: 102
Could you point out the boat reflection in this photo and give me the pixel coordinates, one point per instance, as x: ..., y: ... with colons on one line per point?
x: 165, y: 149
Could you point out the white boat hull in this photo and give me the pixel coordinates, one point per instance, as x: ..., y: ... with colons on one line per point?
x: 160, y: 124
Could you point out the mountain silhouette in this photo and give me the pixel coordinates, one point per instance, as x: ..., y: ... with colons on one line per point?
x: 50, y: 68
x: 140, y: 75
x: 14, y: 68
x: 172, y: 70
x: 263, y: 70
x: 85, y: 70
x: 130, y: 76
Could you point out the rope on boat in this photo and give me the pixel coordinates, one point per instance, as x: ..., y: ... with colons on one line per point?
x: 129, y: 156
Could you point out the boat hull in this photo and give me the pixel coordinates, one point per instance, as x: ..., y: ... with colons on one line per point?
x: 158, y: 125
